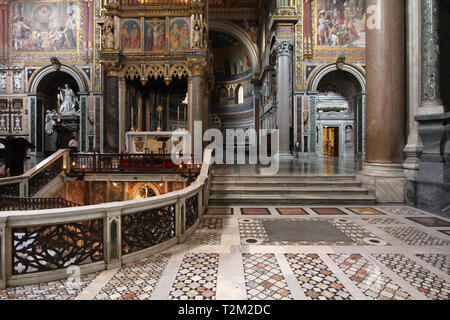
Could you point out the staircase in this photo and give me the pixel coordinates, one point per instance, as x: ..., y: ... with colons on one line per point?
x: 228, y: 190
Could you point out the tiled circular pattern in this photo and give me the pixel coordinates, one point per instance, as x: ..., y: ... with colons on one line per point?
x: 375, y: 241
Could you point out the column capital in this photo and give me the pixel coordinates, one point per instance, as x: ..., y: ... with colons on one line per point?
x: 198, y: 66
x: 111, y: 63
x: 284, y: 47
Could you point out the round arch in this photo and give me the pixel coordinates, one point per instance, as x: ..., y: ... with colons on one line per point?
x: 355, y: 71
x: 239, y: 34
x: 39, y: 75
x: 141, y: 185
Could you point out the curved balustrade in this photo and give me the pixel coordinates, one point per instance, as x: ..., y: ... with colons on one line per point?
x: 8, y: 203
x: 37, y: 246
x: 29, y: 183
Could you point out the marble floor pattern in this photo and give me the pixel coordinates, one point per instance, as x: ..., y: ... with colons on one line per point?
x: 389, y: 255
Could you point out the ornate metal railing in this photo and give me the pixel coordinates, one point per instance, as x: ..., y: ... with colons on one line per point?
x: 122, y: 162
x: 44, y: 176
x: 29, y: 183
x: 191, y: 211
x: 155, y: 2
x: 11, y: 189
x: 8, y: 203
x: 146, y: 229
x: 38, y: 246
x: 53, y: 247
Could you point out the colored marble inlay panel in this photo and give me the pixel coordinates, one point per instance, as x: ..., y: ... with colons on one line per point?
x: 382, y: 221
x: 422, y: 279
x: 53, y: 290
x: 254, y: 211
x: 328, y: 211
x: 368, y: 278
x: 440, y: 261
x: 196, y: 278
x: 220, y: 211
x: 365, y: 211
x: 291, y: 211
x: 263, y: 278
x: 402, y: 211
x: 135, y: 281
x: 430, y: 221
x: 316, y: 279
x: 414, y: 237
x: 254, y: 229
x: 204, y: 238
x: 211, y: 223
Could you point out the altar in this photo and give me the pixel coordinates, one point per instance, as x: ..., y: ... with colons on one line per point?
x: 158, y: 142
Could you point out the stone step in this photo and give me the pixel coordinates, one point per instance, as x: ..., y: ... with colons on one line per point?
x: 288, y: 199
x: 281, y: 178
x: 287, y: 183
x: 263, y: 189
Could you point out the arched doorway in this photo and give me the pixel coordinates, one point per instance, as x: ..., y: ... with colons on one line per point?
x: 145, y: 190
x: 339, y: 111
x: 46, y: 103
x: 43, y: 91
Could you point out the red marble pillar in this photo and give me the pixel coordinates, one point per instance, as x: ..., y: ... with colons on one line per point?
x: 4, y: 37
x: 385, y: 111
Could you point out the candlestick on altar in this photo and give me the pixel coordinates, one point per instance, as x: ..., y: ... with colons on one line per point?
x: 159, y: 109
x: 132, y: 120
x: 178, y: 119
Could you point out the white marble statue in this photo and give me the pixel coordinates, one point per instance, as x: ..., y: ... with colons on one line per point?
x: 17, y: 124
x: 3, y: 78
x: 68, y: 98
x: 49, y: 121
x: 108, y: 33
x: 17, y: 81
x: 197, y: 32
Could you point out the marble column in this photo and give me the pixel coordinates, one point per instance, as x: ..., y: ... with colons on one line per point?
x: 111, y: 115
x: 413, y: 146
x: 197, y: 88
x: 385, y: 47
x: 431, y: 93
x: 284, y: 96
x: 433, y: 179
x: 122, y: 110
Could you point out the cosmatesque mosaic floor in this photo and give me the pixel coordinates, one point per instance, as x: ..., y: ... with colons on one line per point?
x: 283, y: 253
